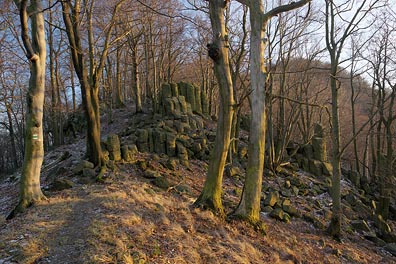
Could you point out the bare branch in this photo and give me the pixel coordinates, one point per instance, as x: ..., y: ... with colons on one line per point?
x: 285, y: 8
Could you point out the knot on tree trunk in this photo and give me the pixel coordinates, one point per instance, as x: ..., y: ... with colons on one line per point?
x: 213, y: 52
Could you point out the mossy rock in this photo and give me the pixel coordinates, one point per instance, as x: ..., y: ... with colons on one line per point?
x: 272, y: 198
x: 278, y: 214
x: 81, y: 165
x: 161, y: 182
x: 61, y: 184
x: 152, y: 174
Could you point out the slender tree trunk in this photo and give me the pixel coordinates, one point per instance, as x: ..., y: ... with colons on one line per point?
x: 249, y: 206
x: 136, y: 80
x: 14, y: 156
x: 218, y: 50
x: 30, y: 191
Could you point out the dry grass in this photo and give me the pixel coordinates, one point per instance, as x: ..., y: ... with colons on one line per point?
x: 127, y: 220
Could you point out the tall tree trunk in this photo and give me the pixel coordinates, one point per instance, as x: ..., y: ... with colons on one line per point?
x: 14, y: 156
x: 335, y: 224
x: 136, y: 79
x: 249, y: 206
x: 210, y: 196
x: 35, y: 45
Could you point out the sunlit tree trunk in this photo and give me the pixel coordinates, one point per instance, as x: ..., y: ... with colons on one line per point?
x: 210, y: 196
x: 35, y: 46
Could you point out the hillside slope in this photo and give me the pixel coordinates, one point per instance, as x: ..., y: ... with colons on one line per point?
x: 133, y: 217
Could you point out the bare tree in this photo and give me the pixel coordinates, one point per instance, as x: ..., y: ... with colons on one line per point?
x: 35, y: 47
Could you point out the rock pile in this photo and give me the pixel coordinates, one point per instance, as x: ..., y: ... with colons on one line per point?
x: 312, y: 157
x: 176, y: 130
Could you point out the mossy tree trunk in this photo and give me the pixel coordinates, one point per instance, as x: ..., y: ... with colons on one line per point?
x: 35, y: 46
x: 218, y: 50
x: 89, y: 83
x: 249, y: 206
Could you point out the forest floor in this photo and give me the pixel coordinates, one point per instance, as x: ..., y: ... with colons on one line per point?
x: 128, y: 219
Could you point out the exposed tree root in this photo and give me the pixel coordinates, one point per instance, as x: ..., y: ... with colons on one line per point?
x: 208, y: 203
x: 257, y: 225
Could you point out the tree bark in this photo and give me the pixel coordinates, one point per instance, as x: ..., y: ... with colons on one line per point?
x: 35, y: 45
x: 210, y: 196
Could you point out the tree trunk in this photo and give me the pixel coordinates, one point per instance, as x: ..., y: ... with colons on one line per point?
x: 249, y: 206
x: 30, y: 191
x: 335, y: 224
x: 136, y: 79
x: 14, y: 156
x: 218, y: 50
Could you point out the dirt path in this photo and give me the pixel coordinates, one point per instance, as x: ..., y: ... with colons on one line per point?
x: 69, y: 242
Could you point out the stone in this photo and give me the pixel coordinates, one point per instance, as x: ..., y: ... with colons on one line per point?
x: 310, y: 217
x: 289, y: 208
x: 233, y: 171
x: 287, y: 184
x: 319, y: 149
x: 152, y: 174
x: 354, y: 177
x: 391, y: 248
x: 114, y: 148
x: 142, y: 140
x: 126, y: 154
x: 198, y: 103
x: 170, y: 144
x: 161, y: 182
x: 272, y: 198
x: 81, y: 165
x: 277, y: 214
x: 142, y: 164
x: 159, y: 140
x: 205, y: 102
x: 295, y: 190
x: 360, y: 225
x: 183, y: 189
x: 175, y: 90
x: 89, y: 173
x: 315, y: 167
x: 166, y: 90
x: 182, y: 154
x: 318, y: 130
x: 267, y: 209
x: 133, y: 149
x: 243, y: 152
x: 171, y: 164
x: 61, y: 184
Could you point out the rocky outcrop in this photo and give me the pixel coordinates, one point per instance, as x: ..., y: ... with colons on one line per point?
x: 177, y: 130
x: 312, y: 157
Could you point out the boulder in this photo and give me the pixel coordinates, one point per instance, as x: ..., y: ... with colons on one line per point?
x: 315, y: 167
x: 161, y: 182
x: 272, y: 198
x: 319, y: 149
x: 113, y: 146
x: 182, y: 154
x: 89, y: 173
x: 277, y: 214
x: 289, y: 208
x: 171, y: 144
x: 81, y: 165
x: 61, y: 184
x: 152, y: 174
